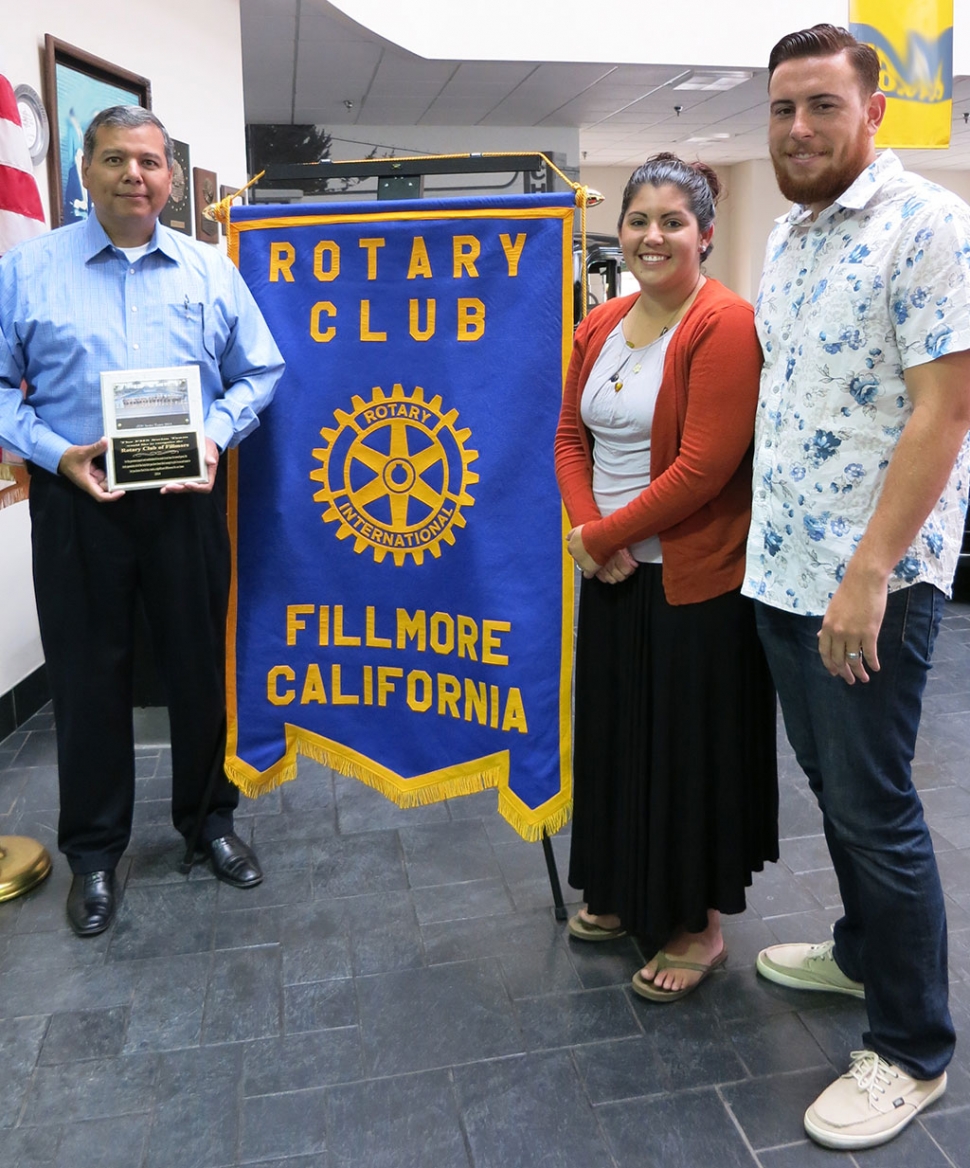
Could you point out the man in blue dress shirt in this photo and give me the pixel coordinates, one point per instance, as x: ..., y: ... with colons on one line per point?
x: 122, y: 292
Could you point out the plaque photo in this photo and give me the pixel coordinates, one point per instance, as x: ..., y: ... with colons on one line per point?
x: 154, y: 423
x: 177, y: 212
x: 205, y: 188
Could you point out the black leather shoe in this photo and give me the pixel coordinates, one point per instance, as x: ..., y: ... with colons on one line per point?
x: 91, y: 903
x: 234, y: 862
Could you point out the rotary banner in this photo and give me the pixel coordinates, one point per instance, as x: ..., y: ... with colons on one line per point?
x: 402, y: 601
x: 914, y: 40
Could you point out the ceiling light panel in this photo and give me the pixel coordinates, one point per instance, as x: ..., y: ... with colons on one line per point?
x: 716, y: 82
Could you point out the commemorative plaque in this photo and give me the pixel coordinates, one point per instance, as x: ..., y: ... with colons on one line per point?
x: 154, y: 424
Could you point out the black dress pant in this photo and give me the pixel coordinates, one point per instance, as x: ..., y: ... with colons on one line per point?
x: 92, y: 561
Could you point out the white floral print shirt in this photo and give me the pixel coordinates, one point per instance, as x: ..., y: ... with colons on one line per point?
x: 877, y: 283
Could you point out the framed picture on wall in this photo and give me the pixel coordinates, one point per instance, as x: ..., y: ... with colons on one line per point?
x: 177, y: 212
x: 205, y: 190
x: 78, y: 85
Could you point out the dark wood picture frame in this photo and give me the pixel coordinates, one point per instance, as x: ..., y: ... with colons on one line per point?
x: 224, y: 193
x: 205, y: 190
x: 94, y: 80
x: 177, y: 212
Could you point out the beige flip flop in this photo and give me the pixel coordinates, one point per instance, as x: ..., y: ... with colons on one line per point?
x: 646, y: 989
x: 585, y: 930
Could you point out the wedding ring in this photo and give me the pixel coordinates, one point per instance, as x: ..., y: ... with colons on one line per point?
x: 852, y: 656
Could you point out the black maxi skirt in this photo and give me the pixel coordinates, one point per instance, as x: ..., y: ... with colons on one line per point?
x: 674, y: 771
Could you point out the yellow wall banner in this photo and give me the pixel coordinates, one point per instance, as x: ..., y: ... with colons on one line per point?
x: 402, y: 600
x: 914, y: 40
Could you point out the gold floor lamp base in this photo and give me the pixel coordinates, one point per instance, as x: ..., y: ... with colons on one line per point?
x: 24, y: 863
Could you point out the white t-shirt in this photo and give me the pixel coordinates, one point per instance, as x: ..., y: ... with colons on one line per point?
x: 135, y: 253
x: 617, y: 408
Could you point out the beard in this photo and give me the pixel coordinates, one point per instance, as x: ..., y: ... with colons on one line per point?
x: 826, y: 187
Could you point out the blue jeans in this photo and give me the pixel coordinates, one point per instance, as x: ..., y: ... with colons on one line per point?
x: 855, y: 744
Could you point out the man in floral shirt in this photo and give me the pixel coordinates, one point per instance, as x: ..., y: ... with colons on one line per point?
x: 860, y: 490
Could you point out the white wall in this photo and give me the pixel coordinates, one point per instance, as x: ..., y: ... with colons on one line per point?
x: 191, y: 53
x: 756, y: 205
x: 957, y: 181
x: 20, y: 651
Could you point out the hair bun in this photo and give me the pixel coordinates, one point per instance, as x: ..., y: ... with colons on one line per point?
x: 710, y: 174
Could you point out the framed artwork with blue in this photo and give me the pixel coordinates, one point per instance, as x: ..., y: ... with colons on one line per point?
x: 77, y: 86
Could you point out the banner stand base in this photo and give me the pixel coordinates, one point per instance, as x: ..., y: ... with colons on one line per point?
x: 557, y: 899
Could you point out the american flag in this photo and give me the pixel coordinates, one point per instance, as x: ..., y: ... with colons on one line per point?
x: 21, y: 214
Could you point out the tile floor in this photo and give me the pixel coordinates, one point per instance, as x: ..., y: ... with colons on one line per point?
x: 398, y: 994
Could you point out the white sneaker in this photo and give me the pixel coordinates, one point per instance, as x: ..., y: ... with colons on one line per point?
x: 870, y: 1104
x: 807, y: 967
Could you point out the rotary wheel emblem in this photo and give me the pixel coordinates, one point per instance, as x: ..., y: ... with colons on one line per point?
x: 395, y: 474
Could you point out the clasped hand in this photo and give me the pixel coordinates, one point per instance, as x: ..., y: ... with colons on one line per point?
x: 616, y: 569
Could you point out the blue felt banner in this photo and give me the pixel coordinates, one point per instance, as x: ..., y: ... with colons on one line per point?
x: 402, y: 601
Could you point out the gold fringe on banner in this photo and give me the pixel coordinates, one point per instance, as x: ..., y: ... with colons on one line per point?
x: 523, y: 820
x: 449, y: 783
x: 461, y: 779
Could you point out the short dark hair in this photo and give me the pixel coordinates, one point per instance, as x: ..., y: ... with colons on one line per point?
x: 828, y: 40
x: 698, y: 182
x: 128, y: 116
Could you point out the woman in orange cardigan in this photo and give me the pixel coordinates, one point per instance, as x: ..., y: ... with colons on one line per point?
x: 675, y: 788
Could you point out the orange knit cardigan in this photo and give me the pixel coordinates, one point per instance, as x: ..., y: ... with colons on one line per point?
x: 699, y: 496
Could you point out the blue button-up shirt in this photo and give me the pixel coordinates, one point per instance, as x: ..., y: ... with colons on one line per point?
x: 73, y: 305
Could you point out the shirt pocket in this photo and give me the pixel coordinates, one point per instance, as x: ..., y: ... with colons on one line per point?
x: 174, y: 334
x: 213, y: 331
x: 846, y: 315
